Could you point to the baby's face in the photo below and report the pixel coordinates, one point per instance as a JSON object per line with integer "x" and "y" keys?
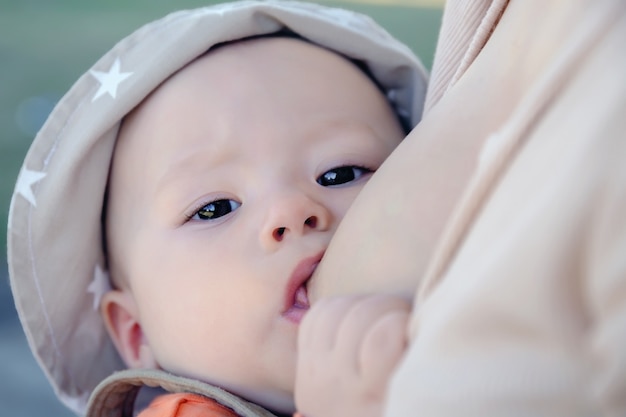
{"x": 227, "y": 186}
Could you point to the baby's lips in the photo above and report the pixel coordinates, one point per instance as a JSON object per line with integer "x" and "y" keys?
{"x": 296, "y": 294}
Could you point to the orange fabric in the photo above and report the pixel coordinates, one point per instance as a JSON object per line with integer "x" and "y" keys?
{"x": 186, "y": 405}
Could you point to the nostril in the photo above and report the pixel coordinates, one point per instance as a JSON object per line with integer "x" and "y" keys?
{"x": 311, "y": 222}
{"x": 278, "y": 233}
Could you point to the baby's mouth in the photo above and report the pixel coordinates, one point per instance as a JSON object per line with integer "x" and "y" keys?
{"x": 296, "y": 294}
{"x": 299, "y": 304}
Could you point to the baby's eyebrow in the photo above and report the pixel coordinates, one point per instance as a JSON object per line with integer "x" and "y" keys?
{"x": 197, "y": 160}
{"x": 175, "y": 182}
{"x": 337, "y": 129}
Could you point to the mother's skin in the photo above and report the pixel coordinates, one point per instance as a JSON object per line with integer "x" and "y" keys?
{"x": 387, "y": 238}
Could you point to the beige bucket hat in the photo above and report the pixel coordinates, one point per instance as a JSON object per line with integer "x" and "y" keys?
{"x": 55, "y": 254}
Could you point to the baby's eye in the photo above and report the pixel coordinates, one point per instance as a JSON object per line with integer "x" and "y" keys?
{"x": 216, "y": 209}
{"x": 342, "y": 175}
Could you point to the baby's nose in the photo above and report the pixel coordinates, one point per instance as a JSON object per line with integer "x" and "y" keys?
{"x": 292, "y": 216}
{"x": 279, "y": 232}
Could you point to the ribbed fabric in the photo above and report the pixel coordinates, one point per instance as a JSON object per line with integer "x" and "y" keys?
{"x": 466, "y": 27}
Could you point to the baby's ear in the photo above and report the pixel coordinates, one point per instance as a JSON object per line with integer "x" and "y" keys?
{"x": 119, "y": 312}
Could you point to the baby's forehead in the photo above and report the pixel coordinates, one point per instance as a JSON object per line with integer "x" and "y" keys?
{"x": 274, "y": 52}
{"x": 225, "y": 59}
{"x": 246, "y": 60}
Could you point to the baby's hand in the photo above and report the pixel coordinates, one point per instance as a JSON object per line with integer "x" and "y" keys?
{"x": 347, "y": 349}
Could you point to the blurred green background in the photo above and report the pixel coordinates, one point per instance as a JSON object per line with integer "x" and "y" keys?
{"x": 47, "y": 44}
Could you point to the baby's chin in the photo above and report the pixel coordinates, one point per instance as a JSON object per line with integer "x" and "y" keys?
{"x": 278, "y": 400}
{"x": 273, "y": 400}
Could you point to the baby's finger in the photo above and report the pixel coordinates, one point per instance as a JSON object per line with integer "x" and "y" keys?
{"x": 358, "y": 322}
{"x": 383, "y": 346}
{"x": 320, "y": 326}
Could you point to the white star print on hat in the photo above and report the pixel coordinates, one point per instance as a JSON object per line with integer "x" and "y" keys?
{"x": 25, "y": 181}
{"x": 99, "y": 286}
{"x": 109, "y": 81}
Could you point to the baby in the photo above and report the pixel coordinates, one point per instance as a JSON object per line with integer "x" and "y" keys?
{"x": 229, "y": 174}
